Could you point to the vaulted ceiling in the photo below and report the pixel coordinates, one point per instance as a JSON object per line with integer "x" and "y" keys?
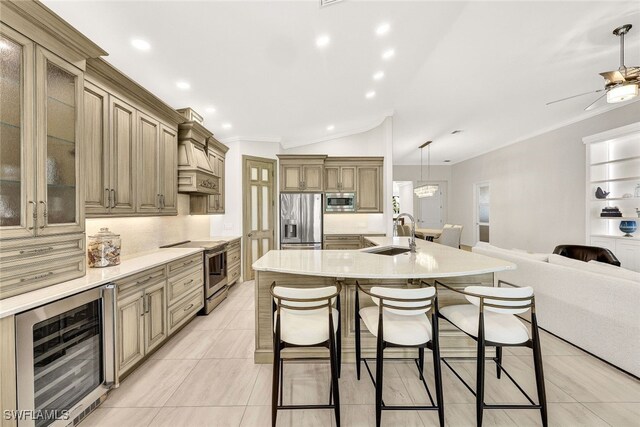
{"x": 486, "y": 68}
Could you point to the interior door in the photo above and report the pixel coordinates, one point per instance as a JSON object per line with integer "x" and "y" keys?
{"x": 259, "y": 210}
{"x": 482, "y": 195}
{"x": 430, "y": 211}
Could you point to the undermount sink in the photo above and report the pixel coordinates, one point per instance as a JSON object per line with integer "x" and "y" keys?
{"x": 389, "y": 251}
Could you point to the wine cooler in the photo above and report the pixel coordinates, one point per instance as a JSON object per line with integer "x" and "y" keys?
{"x": 65, "y": 357}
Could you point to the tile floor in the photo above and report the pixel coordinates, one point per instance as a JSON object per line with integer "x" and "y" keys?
{"x": 205, "y": 376}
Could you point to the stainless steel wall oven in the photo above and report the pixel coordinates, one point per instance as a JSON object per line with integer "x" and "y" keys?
{"x": 65, "y": 357}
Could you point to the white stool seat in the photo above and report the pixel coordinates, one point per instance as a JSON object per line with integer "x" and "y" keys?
{"x": 398, "y": 329}
{"x": 306, "y": 327}
{"x": 499, "y": 328}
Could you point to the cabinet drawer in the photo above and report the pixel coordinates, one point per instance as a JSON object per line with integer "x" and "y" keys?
{"x": 185, "y": 283}
{"x": 177, "y": 267}
{"x": 19, "y": 279}
{"x": 186, "y": 308}
{"x": 233, "y": 255}
{"x": 342, "y": 237}
{"x": 144, "y": 278}
{"x": 346, "y": 245}
{"x": 14, "y": 252}
{"x": 233, "y": 273}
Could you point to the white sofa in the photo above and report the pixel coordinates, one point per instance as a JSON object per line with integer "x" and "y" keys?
{"x": 597, "y": 311}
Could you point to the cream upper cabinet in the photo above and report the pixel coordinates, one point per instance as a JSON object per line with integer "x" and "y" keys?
{"x": 217, "y": 154}
{"x": 369, "y": 189}
{"x": 168, "y": 172}
{"x": 300, "y": 173}
{"x": 59, "y": 190}
{"x": 132, "y": 149}
{"x": 122, "y": 165}
{"x": 97, "y": 197}
{"x": 312, "y": 178}
{"x": 17, "y": 151}
{"x": 148, "y": 155}
{"x": 339, "y": 179}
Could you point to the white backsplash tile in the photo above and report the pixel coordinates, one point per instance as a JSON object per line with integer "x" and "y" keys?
{"x": 354, "y": 224}
{"x": 142, "y": 234}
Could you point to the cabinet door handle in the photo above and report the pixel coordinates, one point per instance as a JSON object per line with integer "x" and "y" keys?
{"x": 148, "y": 303}
{"x": 44, "y": 214}
{"x": 188, "y": 307}
{"x": 113, "y": 198}
{"x": 158, "y": 204}
{"x": 188, "y": 263}
{"x": 163, "y": 205}
{"x": 144, "y": 306}
{"x": 37, "y": 251}
{"x": 140, "y": 282}
{"x": 188, "y": 283}
{"x": 108, "y": 198}
{"x": 35, "y": 214}
{"x": 39, "y": 276}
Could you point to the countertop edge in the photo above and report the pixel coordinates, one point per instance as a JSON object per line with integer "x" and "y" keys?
{"x": 19, "y": 303}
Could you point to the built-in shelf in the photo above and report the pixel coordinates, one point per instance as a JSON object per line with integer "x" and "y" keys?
{"x": 621, "y": 218}
{"x": 624, "y": 159}
{"x": 635, "y": 237}
{"x": 630, "y": 178}
{"x": 615, "y": 198}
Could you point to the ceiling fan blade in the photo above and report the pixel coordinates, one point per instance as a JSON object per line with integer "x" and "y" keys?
{"x": 613, "y": 77}
{"x": 574, "y": 96}
{"x": 593, "y": 104}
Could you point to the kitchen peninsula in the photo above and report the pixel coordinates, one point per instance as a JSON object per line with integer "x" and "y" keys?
{"x": 385, "y": 261}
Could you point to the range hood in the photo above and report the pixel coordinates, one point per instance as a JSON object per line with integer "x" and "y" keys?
{"x": 195, "y": 173}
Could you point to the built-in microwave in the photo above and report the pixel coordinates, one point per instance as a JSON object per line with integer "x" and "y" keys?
{"x": 340, "y": 202}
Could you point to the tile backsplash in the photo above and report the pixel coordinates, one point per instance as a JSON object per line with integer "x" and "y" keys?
{"x": 143, "y": 234}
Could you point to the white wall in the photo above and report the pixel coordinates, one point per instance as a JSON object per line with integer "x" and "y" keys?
{"x": 537, "y": 186}
{"x": 142, "y": 234}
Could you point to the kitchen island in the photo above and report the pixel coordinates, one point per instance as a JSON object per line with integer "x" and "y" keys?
{"x": 387, "y": 262}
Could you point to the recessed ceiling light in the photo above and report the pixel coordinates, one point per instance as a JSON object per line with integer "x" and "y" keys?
{"x": 378, "y": 76}
{"x": 370, "y": 94}
{"x": 323, "y": 40}
{"x": 210, "y": 110}
{"x": 388, "y": 54}
{"x": 447, "y": 161}
{"x": 383, "y": 29}
{"x": 330, "y": 127}
{"x": 140, "y": 44}
{"x": 456, "y": 131}
{"x": 226, "y": 126}
{"x": 183, "y": 85}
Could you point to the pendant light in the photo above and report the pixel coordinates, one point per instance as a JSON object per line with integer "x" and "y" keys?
{"x": 426, "y": 190}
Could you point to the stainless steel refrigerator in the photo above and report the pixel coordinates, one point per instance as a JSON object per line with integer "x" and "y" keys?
{"x": 301, "y": 220}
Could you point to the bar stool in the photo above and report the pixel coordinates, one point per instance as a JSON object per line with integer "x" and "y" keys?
{"x": 399, "y": 319}
{"x": 305, "y": 317}
{"x": 491, "y": 321}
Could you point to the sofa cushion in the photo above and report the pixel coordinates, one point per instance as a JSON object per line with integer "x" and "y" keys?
{"x": 612, "y": 270}
{"x": 514, "y": 252}
{"x": 532, "y": 255}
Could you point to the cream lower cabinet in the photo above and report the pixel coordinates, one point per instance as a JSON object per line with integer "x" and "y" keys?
{"x": 130, "y": 330}
{"x": 142, "y": 316}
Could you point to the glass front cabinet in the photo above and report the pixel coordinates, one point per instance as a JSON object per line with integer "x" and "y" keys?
{"x": 41, "y": 201}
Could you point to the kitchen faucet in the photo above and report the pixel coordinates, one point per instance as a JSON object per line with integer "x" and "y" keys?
{"x": 412, "y": 238}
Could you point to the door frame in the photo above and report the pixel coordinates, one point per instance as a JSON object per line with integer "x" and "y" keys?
{"x": 246, "y": 214}
{"x": 476, "y": 223}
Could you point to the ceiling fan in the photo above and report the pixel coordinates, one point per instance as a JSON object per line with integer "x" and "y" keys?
{"x": 619, "y": 85}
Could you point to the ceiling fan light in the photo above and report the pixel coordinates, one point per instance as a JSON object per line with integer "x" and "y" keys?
{"x": 622, "y": 93}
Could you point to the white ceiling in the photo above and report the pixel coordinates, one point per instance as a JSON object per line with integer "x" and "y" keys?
{"x": 486, "y": 68}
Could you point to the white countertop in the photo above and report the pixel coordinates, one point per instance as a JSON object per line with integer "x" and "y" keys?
{"x": 94, "y": 278}
{"x": 431, "y": 260}
{"x": 223, "y": 238}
